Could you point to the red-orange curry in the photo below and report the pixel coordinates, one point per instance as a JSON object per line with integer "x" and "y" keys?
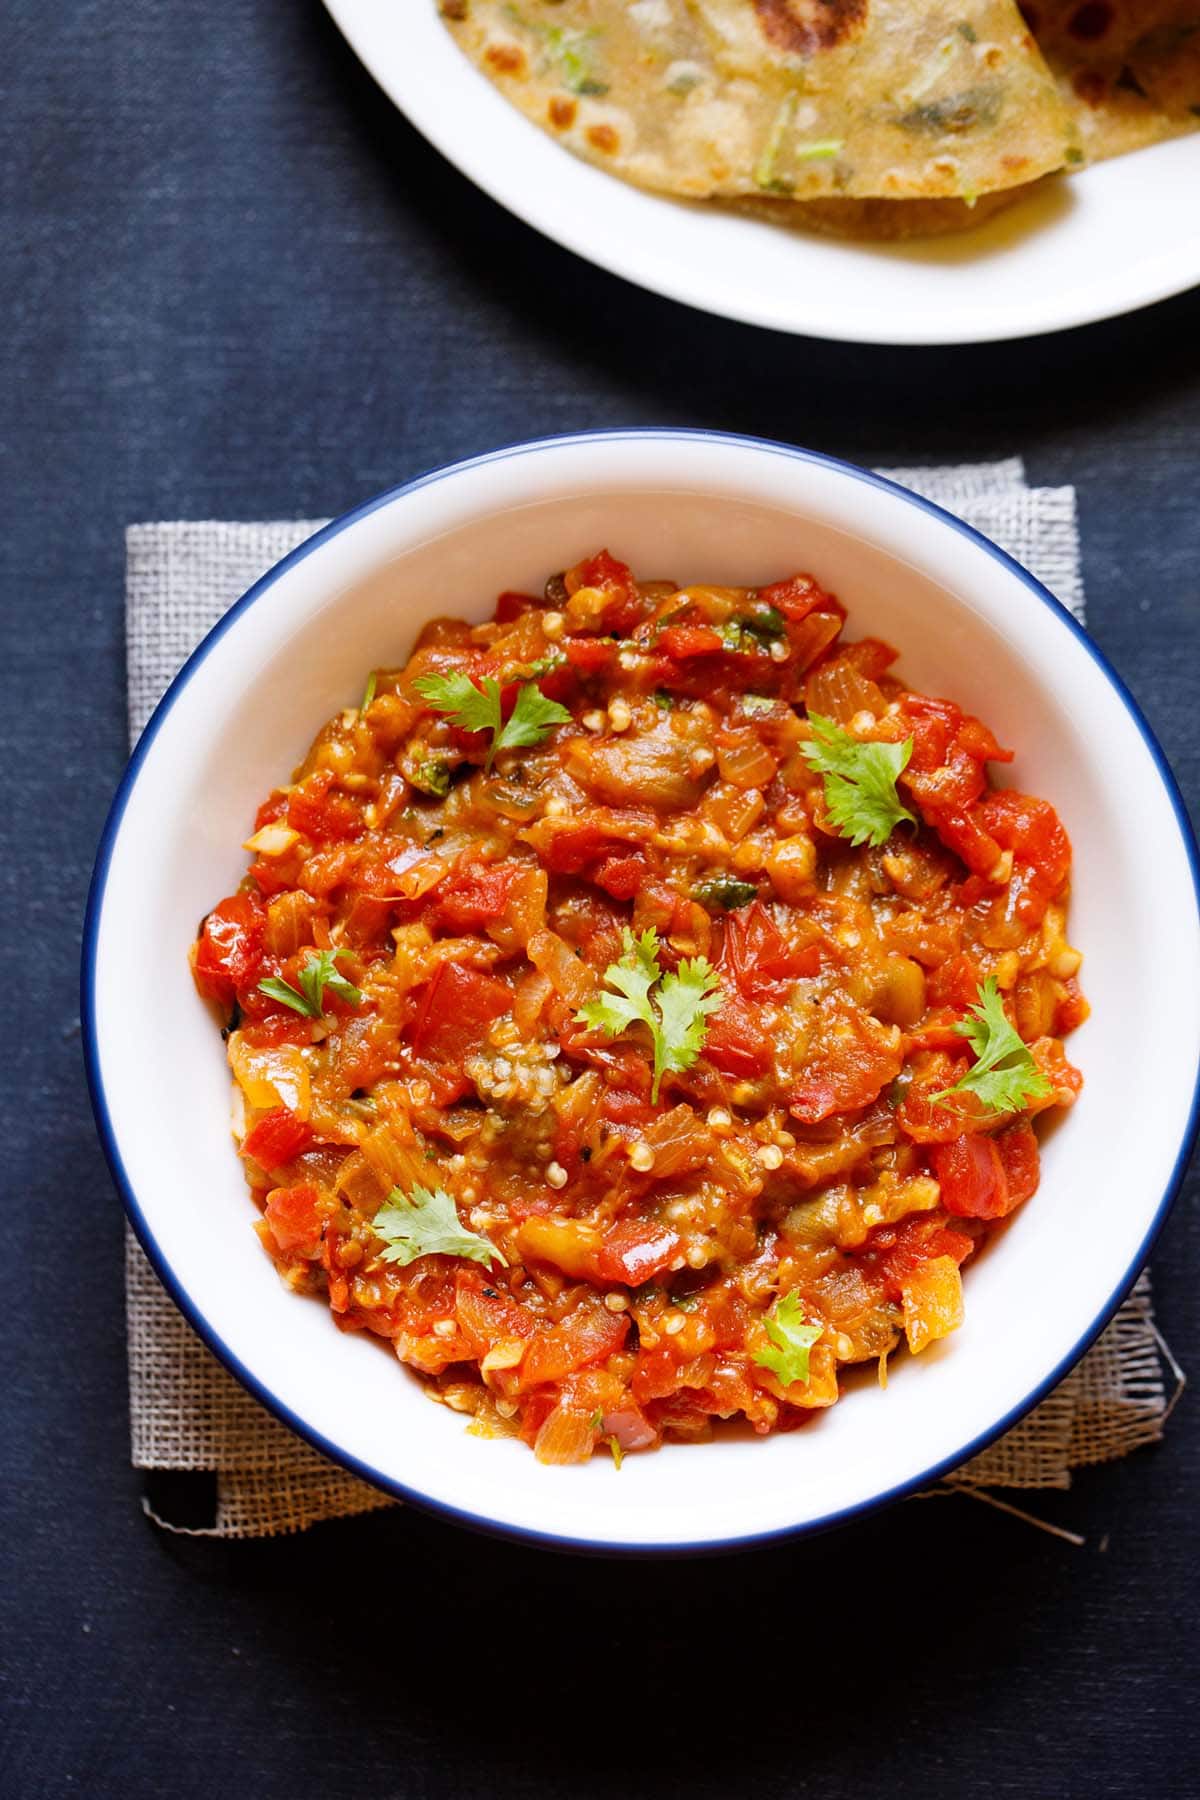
{"x": 638, "y": 1007}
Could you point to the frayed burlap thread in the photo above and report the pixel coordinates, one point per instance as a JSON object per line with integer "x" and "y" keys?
{"x": 187, "y": 1413}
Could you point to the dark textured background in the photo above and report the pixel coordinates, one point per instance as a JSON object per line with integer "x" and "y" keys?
{"x": 238, "y": 285}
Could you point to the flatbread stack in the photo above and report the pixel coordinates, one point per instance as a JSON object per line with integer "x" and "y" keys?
{"x": 878, "y": 118}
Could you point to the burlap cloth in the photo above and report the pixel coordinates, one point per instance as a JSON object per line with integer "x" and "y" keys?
{"x": 188, "y": 1413}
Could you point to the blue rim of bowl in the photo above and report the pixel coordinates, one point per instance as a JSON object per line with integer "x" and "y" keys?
{"x": 95, "y": 902}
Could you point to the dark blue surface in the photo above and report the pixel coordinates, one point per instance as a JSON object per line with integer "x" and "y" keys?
{"x": 238, "y": 286}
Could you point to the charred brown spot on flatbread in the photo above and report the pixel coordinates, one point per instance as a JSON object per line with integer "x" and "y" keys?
{"x": 506, "y": 59}
{"x": 562, "y": 112}
{"x": 803, "y": 26}
{"x": 603, "y": 137}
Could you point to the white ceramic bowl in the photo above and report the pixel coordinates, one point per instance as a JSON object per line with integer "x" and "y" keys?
{"x": 970, "y": 623}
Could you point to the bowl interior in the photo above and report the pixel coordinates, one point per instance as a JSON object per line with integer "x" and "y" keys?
{"x": 967, "y": 625}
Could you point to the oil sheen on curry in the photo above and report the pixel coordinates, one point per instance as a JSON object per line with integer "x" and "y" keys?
{"x": 640, "y": 1006}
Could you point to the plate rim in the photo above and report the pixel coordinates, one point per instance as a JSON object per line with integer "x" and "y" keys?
{"x": 174, "y": 1284}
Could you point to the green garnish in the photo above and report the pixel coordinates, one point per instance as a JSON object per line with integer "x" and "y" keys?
{"x": 764, "y": 168}
{"x": 477, "y": 708}
{"x": 769, "y": 623}
{"x": 860, "y": 781}
{"x": 816, "y": 152}
{"x": 1004, "y": 1074}
{"x": 752, "y": 631}
{"x": 724, "y": 893}
{"x": 955, "y": 113}
{"x": 369, "y": 691}
{"x": 757, "y": 703}
{"x": 533, "y": 671}
{"x": 427, "y": 1225}
{"x": 572, "y": 50}
{"x": 792, "y": 1340}
{"x": 684, "y": 996}
{"x": 432, "y": 777}
{"x": 319, "y": 972}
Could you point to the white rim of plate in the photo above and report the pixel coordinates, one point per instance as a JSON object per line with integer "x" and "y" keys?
{"x": 1049, "y": 264}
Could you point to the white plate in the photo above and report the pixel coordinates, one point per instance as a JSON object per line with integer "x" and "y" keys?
{"x": 1117, "y": 237}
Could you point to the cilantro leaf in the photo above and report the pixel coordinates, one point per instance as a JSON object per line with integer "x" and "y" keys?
{"x": 473, "y": 706}
{"x": 318, "y": 973}
{"x": 792, "y": 1340}
{"x": 1004, "y": 1074}
{"x": 633, "y": 977}
{"x": 685, "y": 997}
{"x": 531, "y": 718}
{"x": 860, "y": 781}
{"x": 476, "y": 707}
{"x": 677, "y": 1024}
{"x": 427, "y": 1225}
{"x": 432, "y": 776}
{"x": 724, "y": 893}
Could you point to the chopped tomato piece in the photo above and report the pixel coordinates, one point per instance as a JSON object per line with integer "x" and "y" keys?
{"x": 757, "y": 956}
{"x": 273, "y": 808}
{"x": 279, "y": 1026}
{"x": 621, "y": 876}
{"x": 277, "y": 1137}
{"x": 682, "y": 641}
{"x": 587, "y": 1337}
{"x": 1018, "y": 1147}
{"x": 458, "y": 1007}
{"x": 954, "y": 982}
{"x": 897, "y": 1250}
{"x": 473, "y": 897}
{"x": 230, "y": 951}
{"x": 736, "y": 1042}
{"x": 624, "y": 605}
{"x": 656, "y": 1375}
{"x": 1032, "y": 830}
{"x": 589, "y": 654}
{"x": 485, "y": 1315}
{"x": 291, "y": 1213}
{"x": 972, "y": 1176}
{"x": 636, "y": 1251}
{"x": 848, "y": 1070}
{"x": 625, "y": 1106}
{"x": 574, "y": 848}
{"x": 796, "y": 597}
{"x": 318, "y": 813}
{"x": 961, "y": 831}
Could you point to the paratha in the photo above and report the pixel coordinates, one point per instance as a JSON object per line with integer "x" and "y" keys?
{"x": 803, "y": 99}
{"x": 1128, "y": 69}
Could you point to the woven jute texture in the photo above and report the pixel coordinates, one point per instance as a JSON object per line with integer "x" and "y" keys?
{"x": 188, "y": 1413}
